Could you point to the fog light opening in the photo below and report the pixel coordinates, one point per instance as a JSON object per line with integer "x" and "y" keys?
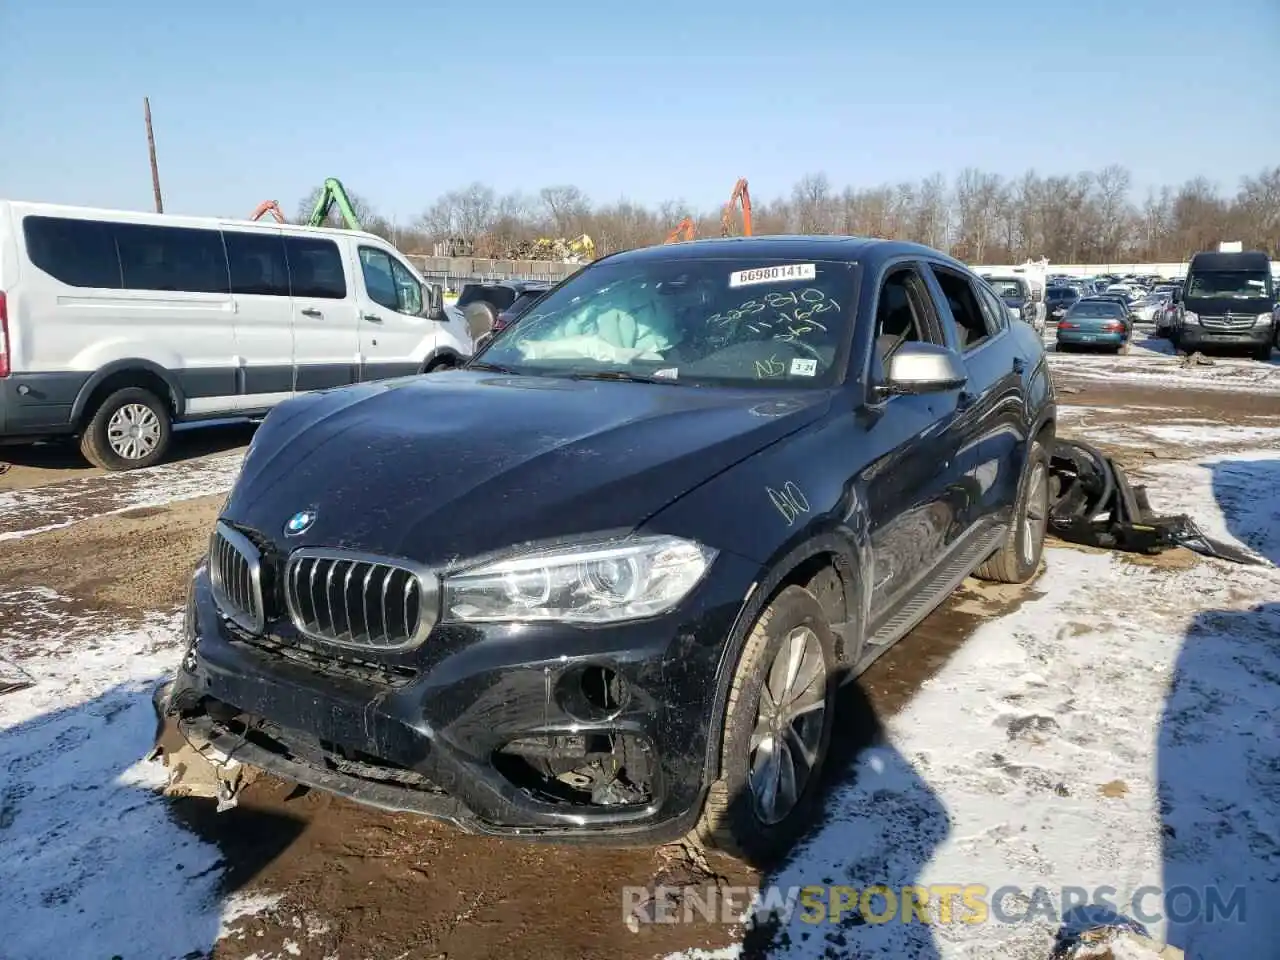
{"x": 593, "y": 693}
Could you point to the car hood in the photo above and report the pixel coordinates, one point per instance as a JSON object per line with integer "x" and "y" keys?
{"x": 458, "y": 463}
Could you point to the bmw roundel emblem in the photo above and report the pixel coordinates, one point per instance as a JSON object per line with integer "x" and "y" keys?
{"x": 300, "y": 522}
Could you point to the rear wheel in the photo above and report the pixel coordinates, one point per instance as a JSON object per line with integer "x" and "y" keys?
{"x": 1019, "y": 558}
{"x": 776, "y": 732}
{"x": 130, "y": 429}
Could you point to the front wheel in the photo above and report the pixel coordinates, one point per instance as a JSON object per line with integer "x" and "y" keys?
{"x": 131, "y": 429}
{"x": 1019, "y": 558}
{"x": 1262, "y": 353}
{"x": 776, "y": 732}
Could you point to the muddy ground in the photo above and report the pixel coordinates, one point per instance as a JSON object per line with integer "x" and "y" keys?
{"x": 355, "y": 883}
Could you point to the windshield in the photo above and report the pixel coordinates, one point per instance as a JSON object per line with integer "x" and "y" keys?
{"x": 1094, "y": 308}
{"x": 724, "y": 321}
{"x": 1239, "y": 284}
{"x": 1007, "y": 289}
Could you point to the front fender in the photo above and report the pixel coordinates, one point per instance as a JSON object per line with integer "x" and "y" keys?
{"x": 795, "y": 500}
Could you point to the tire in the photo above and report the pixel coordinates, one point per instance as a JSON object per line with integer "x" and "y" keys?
{"x": 731, "y": 820}
{"x": 1019, "y": 558}
{"x": 130, "y": 406}
{"x": 443, "y": 363}
{"x": 481, "y": 316}
{"x": 1262, "y": 353}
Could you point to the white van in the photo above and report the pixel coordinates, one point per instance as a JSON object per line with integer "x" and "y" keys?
{"x": 114, "y": 325}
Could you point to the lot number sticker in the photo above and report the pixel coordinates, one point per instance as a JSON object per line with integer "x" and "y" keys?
{"x": 780, "y": 274}
{"x": 804, "y": 368}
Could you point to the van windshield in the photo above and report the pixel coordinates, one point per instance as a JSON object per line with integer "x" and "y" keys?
{"x": 1238, "y": 284}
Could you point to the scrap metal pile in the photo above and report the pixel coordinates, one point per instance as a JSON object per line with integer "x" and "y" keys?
{"x": 1094, "y": 504}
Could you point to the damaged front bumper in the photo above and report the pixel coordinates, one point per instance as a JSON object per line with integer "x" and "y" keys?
{"x": 529, "y": 730}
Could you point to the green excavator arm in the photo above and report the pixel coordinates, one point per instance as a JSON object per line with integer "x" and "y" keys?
{"x": 333, "y": 195}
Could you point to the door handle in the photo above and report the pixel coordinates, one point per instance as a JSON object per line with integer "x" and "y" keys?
{"x": 1019, "y": 365}
{"x": 372, "y": 318}
{"x": 312, "y": 312}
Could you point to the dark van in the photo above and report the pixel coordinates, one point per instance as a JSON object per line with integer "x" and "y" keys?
{"x": 1228, "y": 300}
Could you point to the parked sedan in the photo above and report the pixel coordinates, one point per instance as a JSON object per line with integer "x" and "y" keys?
{"x": 1095, "y": 322}
{"x": 605, "y": 581}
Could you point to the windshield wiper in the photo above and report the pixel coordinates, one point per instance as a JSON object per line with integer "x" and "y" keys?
{"x": 619, "y": 375}
{"x": 490, "y": 367}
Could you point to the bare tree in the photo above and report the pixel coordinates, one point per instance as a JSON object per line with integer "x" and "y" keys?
{"x": 1085, "y": 216}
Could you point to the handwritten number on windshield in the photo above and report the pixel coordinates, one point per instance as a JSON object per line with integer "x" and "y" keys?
{"x": 793, "y": 313}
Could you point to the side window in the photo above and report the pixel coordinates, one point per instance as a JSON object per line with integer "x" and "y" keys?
{"x": 901, "y": 315}
{"x": 258, "y": 264}
{"x": 80, "y": 253}
{"x": 994, "y": 308}
{"x": 501, "y": 297}
{"x": 315, "y": 268}
{"x": 408, "y": 290}
{"x": 375, "y": 266}
{"x": 171, "y": 258}
{"x": 971, "y": 323}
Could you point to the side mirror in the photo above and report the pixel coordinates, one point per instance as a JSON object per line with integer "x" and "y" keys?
{"x": 435, "y": 302}
{"x": 917, "y": 368}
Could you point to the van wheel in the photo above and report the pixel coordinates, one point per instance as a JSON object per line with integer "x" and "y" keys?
{"x": 1262, "y": 353}
{"x": 130, "y": 429}
{"x": 1019, "y": 558}
{"x": 776, "y": 732}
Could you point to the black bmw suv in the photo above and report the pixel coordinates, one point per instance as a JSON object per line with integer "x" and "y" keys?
{"x": 603, "y": 582}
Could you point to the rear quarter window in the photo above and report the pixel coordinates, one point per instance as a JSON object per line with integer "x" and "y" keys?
{"x": 79, "y": 253}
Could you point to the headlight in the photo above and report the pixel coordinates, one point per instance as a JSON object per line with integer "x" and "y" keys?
{"x": 1189, "y": 317}
{"x": 1263, "y": 318}
{"x": 600, "y": 582}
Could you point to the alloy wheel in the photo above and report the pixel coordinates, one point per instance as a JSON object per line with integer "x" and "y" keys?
{"x": 789, "y": 722}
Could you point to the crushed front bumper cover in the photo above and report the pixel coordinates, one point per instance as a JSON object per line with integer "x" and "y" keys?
{"x": 493, "y": 732}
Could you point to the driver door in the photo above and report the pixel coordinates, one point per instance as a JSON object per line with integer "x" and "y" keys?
{"x": 392, "y": 327}
{"x": 916, "y": 442}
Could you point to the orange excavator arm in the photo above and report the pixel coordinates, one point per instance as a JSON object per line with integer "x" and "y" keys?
{"x": 740, "y": 196}
{"x": 686, "y": 229}
{"x": 268, "y": 206}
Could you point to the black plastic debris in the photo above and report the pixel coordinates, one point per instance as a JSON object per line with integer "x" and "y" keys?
{"x": 1094, "y": 504}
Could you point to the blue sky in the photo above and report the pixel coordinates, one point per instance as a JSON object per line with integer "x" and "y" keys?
{"x": 652, "y": 101}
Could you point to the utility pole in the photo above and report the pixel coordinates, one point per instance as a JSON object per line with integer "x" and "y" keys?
{"x": 151, "y": 148}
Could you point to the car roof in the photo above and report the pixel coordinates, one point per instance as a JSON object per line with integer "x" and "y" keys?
{"x": 784, "y": 247}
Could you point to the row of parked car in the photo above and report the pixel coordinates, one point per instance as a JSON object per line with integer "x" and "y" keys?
{"x": 1228, "y": 299}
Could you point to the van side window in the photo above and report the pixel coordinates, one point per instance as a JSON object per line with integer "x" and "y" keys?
{"x": 172, "y": 258}
{"x": 80, "y": 253}
{"x": 315, "y": 268}
{"x": 258, "y": 264}
{"x": 375, "y": 265}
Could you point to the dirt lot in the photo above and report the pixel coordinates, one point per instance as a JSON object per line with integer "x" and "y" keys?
{"x": 323, "y": 878}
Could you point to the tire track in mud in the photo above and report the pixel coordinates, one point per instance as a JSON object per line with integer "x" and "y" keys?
{"x": 26, "y": 512}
